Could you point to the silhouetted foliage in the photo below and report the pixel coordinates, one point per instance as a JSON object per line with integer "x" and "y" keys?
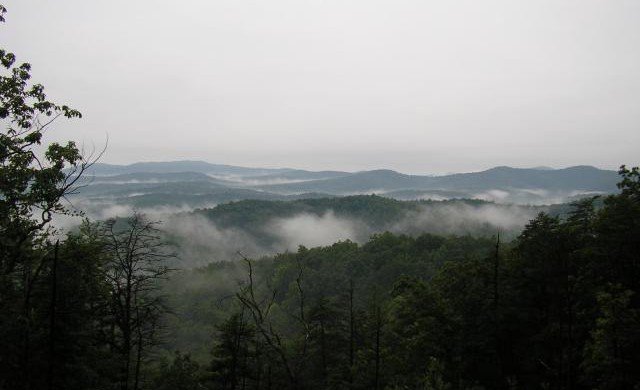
{"x": 558, "y": 307}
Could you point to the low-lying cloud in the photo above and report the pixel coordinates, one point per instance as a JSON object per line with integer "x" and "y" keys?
{"x": 312, "y": 230}
{"x": 200, "y": 240}
{"x": 461, "y": 218}
{"x": 531, "y": 196}
{"x": 99, "y": 210}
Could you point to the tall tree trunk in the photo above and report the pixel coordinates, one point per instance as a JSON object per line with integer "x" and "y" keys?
{"x": 258, "y": 361}
{"x": 26, "y": 330}
{"x": 496, "y": 313}
{"x": 139, "y": 346}
{"x": 235, "y": 357}
{"x": 323, "y": 352}
{"x": 569, "y": 307}
{"x": 351, "y": 334}
{"x": 126, "y": 336}
{"x": 378, "y": 315}
{"x": 136, "y": 380}
{"x": 52, "y": 317}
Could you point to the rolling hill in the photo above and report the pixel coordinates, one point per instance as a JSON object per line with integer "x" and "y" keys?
{"x": 198, "y": 184}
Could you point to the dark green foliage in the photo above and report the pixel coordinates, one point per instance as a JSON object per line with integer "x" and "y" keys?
{"x": 234, "y": 354}
{"x": 33, "y": 180}
{"x": 611, "y": 354}
{"x": 328, "y": 273}
{"x": 79, "y": 354}
{"x": 372, "y": 209}
{"x": 69, "y": 320}
{"x": 60, "y": 322}
{"x": 180, "y": 374}
{"x": 556, "y": 308}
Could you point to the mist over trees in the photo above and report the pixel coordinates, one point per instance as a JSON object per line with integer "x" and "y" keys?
{"x": 554, "y": 306}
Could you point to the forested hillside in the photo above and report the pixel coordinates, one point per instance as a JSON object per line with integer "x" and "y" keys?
{"x": 264, "y": 279}
{"x": 258, "y": 228}
{"x": 555, "y": 308}
{"x": 103, "y": 307}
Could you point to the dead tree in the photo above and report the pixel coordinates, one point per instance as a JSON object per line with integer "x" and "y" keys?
{"x": 138, "y": 262}
{"x": 260, "y": 309}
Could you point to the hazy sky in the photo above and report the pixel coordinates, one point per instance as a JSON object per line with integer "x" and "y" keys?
{"x": 417, "y": 86}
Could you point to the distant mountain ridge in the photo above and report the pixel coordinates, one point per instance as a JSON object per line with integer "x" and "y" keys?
{"x": 579, "y": 178}
{"x": 504, "y": 184}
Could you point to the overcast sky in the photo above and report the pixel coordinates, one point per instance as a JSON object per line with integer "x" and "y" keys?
{"x": 417, "y": 86}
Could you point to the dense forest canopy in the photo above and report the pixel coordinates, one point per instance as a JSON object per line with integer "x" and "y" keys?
{"x": 553, "y": 305}
{"x": 259, "y": 227}
{"x": 554, "y": 308}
